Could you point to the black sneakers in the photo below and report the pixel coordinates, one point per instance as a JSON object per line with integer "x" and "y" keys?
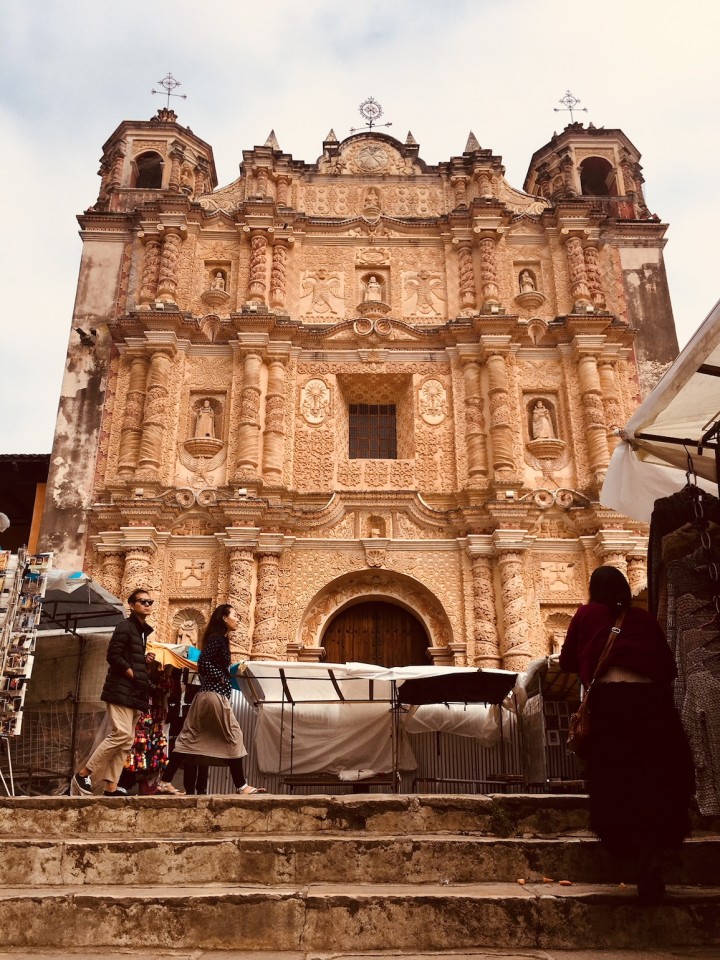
{"x": 120, "y": 792}
{"x": 83, "y": 784}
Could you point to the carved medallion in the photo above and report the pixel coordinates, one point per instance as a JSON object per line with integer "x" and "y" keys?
{"x": 315, "y": 401}
{"x": 432, "y": 402}
{"x": 372, "y": 159}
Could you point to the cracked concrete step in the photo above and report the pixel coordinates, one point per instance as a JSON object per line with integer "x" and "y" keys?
{"x": 327, "y": 917}
{"x": 282, "y": 859}
{"x": 505, "y": 815}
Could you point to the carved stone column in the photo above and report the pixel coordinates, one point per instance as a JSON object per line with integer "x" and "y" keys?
{"x": 167, "y": 280}
{"x": 568, "y": 172}
{"x": 262, "y": 179}
{"x": 201, "y": 175}
{"x": 595, "y": 424}
{"x": 614, "y": 416}
{"x": 488, "y": 273}
{"x": 274, "y": 437}
{"x": 155, "y": 418}
{"x": 118, "y": 161}
{"x": 475, "y": 431}
{"x": 278, "y": 274}
{"x": 515, "y": 645}
{"x": 460, "y": 190}
{"x": 132, "y": 423}
{"x": 592, "y": 269}
{"x": 500, "y": 414}
{"x": 249, "y": 431}
{"x": 240, "y": 560}
{"x": 265, "y": 645}
{"x": 618, "y": 560}
{"x": 151, "y": 267}
{"x": 484, "y": 182}
{"x": 258, "y": 267}
{"x": 177, "y": 155}
{"x": 136, "y": 572}
{"x": 578, "y": 274}
{"x": 637, "y": 573}
{"x": 113, "y": 567}
{"x": 485, "y": 628}
{"x": 283, "y": 191}
{"x": 466, "y": 275}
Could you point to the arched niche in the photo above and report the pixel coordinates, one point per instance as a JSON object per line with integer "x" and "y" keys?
{"x": 597, "y": 178}
{"x": 148, "y": 171}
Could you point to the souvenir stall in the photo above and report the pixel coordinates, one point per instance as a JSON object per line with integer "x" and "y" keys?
{"x": 665, "y": 470}
{"x": 547, "y": 698}
{"x": 329, "y": 725}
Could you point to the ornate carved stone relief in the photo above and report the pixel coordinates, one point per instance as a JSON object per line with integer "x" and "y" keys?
{"x": 432, "y": 402}
{"x": 423, "y": 294}
{"x": 322, "y": 294}
{"x": 315, "y": 401}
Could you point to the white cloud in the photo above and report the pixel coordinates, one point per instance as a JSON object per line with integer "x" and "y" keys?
{"x": 72, "y": 70}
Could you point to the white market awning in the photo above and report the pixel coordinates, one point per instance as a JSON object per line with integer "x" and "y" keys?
{"x": 679, "y": 417}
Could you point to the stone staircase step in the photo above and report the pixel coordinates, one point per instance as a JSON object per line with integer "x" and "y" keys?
{"x": 360, "y": 917}
{"x": 351, "y": 858}
{"x": 131, "y": 953}
{"x": 502, "y": 815}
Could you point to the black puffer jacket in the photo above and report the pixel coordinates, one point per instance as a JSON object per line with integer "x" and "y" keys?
{"x": 127, "y": 649}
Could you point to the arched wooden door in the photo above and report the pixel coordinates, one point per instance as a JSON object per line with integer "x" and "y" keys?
{"x": 376, "y": 632}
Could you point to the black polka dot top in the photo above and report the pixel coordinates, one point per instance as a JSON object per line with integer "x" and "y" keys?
{"x": 214, "y": 666}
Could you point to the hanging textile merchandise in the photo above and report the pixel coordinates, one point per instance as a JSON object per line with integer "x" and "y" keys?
{"x": 684, "y": 594}
{"x": 149, "y": 754}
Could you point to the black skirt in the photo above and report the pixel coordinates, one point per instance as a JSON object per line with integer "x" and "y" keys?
{"x": 640, "y": 770}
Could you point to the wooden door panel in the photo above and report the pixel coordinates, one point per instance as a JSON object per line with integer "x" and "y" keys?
{"x": 376, "y": 632}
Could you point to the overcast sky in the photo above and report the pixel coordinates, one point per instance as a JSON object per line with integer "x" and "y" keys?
{"x": 72, "y": 70}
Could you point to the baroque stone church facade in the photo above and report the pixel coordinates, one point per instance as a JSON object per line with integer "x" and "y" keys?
{"x": 368, "y": 400}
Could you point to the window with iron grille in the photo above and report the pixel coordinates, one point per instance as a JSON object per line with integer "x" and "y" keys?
{"x": 373, "y": 433}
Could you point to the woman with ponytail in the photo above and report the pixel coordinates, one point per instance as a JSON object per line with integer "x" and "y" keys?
{"x": 639, "y": 768}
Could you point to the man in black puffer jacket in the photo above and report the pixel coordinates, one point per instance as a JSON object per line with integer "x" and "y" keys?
{"x": 126, "y": 693}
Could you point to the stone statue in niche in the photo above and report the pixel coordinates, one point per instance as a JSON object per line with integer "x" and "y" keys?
{"x": 188, "y": 633}
{"x": 218, "y": 281}
{"x": 542, "y": 425}
{"x": 205, "y": 421}
{"x": 373, "y": 290}
{"x": 527, "y": 282}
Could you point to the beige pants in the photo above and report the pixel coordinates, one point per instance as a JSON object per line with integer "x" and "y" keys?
{"x": 109, "y": 759}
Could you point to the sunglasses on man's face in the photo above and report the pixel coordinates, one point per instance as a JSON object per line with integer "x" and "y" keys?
{"x": 145, "y": 603}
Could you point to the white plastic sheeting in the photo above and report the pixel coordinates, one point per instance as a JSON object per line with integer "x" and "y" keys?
{"x": 684, "y": 404}
{"x": 466, "y": 720}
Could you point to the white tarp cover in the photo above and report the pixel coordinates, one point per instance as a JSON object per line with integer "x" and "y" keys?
{"x": 302, "y": 706}
{"x": 476, "y": 720}
{"x": 684, "y": 404}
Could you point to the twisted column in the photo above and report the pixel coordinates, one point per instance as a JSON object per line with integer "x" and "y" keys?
{"x": 249, "y": 430}
{"x": 177, "y": 155}
{"x": 264, "y": 645}
{"x": 274, "y": 437}
{"x": 500, "y": 413}
{"x": 278, "y": 274}
{"x": 592, "y": 269}
{"x": 132, "y": 423}
{"x": 118, "y": 161}
{"x": 466, "y": 275}
{"x": 614, "y": 416}
{"x": 151, "y": 269}
{"x": 258, "y": 268}
{"x": 155, "y": 418}
{"x": 637, "y": 573}
{"x": 460, "y": 190}
{"x": 111, "y": 576}
{"x": 595, "y": 425}
{"x": 484, "y": 182}
{"x": 578, "y": 273}
{"x": 136, "y": 571}
{"x": 515, "y": 646}
{"x": 568, "y": 173}
{"x": 167, "y": 279}
{"x": 488, "y": 272}
{"x": 474, "y": 423}
{"x": 240, "y": 560}
{"x": 283, "y": 191}
{"x": 485, "y": 628}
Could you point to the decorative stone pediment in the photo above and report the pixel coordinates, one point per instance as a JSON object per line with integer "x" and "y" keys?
{"x": 368, "y": 155}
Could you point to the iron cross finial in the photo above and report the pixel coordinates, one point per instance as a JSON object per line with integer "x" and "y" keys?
{"x": 371, "y": 111}
{"x": 169, "y": 83}
{"x": 571, "y": 103}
